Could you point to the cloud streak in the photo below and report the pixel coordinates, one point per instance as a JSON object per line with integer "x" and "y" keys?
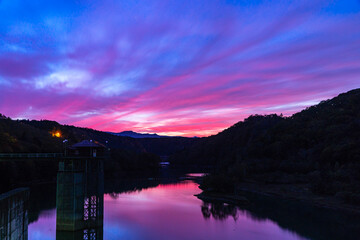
{"x": 179, "y": 68}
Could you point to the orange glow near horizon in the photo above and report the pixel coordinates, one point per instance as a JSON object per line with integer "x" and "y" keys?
{"x": 56, "y": 134}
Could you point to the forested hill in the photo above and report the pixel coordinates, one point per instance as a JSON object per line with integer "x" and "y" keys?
{"x": 322, "y": 139}
{"x": 39, "y": 136}
{"x": 328, "y": 132}
{"x": 129, "y": 156}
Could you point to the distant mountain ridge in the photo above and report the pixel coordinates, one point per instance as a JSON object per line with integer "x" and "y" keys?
{"x": 37, "y": 136}
{"x": 133, "y": 134}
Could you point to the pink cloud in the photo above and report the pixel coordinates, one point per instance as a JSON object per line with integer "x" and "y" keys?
{"x": 174, "y": 68}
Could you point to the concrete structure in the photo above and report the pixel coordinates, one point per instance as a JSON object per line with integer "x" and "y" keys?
{"x": 14, "y": 214}
{"x": 6, "y": 157}
{"x": 80, "y": 192}
{"x": 86, "y": 234}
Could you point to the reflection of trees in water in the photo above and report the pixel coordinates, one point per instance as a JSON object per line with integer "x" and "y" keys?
{"x": 219, "y": 211}
{"x": 114, "y": 195}
{"x": 42, "y": 198}
{"x": 118, "y": 187}
{"x": 301, "y": 218}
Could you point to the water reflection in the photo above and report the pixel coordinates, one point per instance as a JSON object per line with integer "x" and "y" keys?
{"x": 299, "y": 218}
{"x": 14, "y": 214}
{"x": 156, "y": 210}
{"x": 219, "y": 211}
{"x": 170, "y": 211}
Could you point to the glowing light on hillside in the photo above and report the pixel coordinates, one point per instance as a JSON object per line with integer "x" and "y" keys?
{"x": 56, "y": 134}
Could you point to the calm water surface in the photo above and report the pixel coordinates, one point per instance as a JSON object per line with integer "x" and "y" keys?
{"x": 169, "y": 211}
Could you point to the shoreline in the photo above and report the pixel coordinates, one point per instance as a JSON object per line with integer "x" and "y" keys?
{"x": 222, "y": 197}
{"x": 291, "y": 192}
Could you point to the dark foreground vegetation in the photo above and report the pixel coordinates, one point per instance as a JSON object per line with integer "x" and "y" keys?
{"x": 128, "y": 156}
{"x": 317, "y": 148}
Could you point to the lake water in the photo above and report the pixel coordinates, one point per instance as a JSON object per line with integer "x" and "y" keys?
{"x": 169, "y": 210}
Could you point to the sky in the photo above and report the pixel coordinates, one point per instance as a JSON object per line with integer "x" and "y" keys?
{"x": 176, "y": 67}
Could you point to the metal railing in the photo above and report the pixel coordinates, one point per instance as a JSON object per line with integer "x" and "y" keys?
{"x": 30, "y": 155}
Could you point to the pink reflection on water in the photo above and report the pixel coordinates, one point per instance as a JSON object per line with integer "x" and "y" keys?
{"x": 196, "y": 174}
{"x": 45, "y": 227}
{"x": 168, "y": 211}
{"x": 172, "y": 212}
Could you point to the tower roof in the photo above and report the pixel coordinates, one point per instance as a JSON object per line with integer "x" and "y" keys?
{"x": 88, "y": 144}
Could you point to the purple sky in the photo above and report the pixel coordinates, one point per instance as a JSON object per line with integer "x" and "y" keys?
{"x": 173, "y": 67}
